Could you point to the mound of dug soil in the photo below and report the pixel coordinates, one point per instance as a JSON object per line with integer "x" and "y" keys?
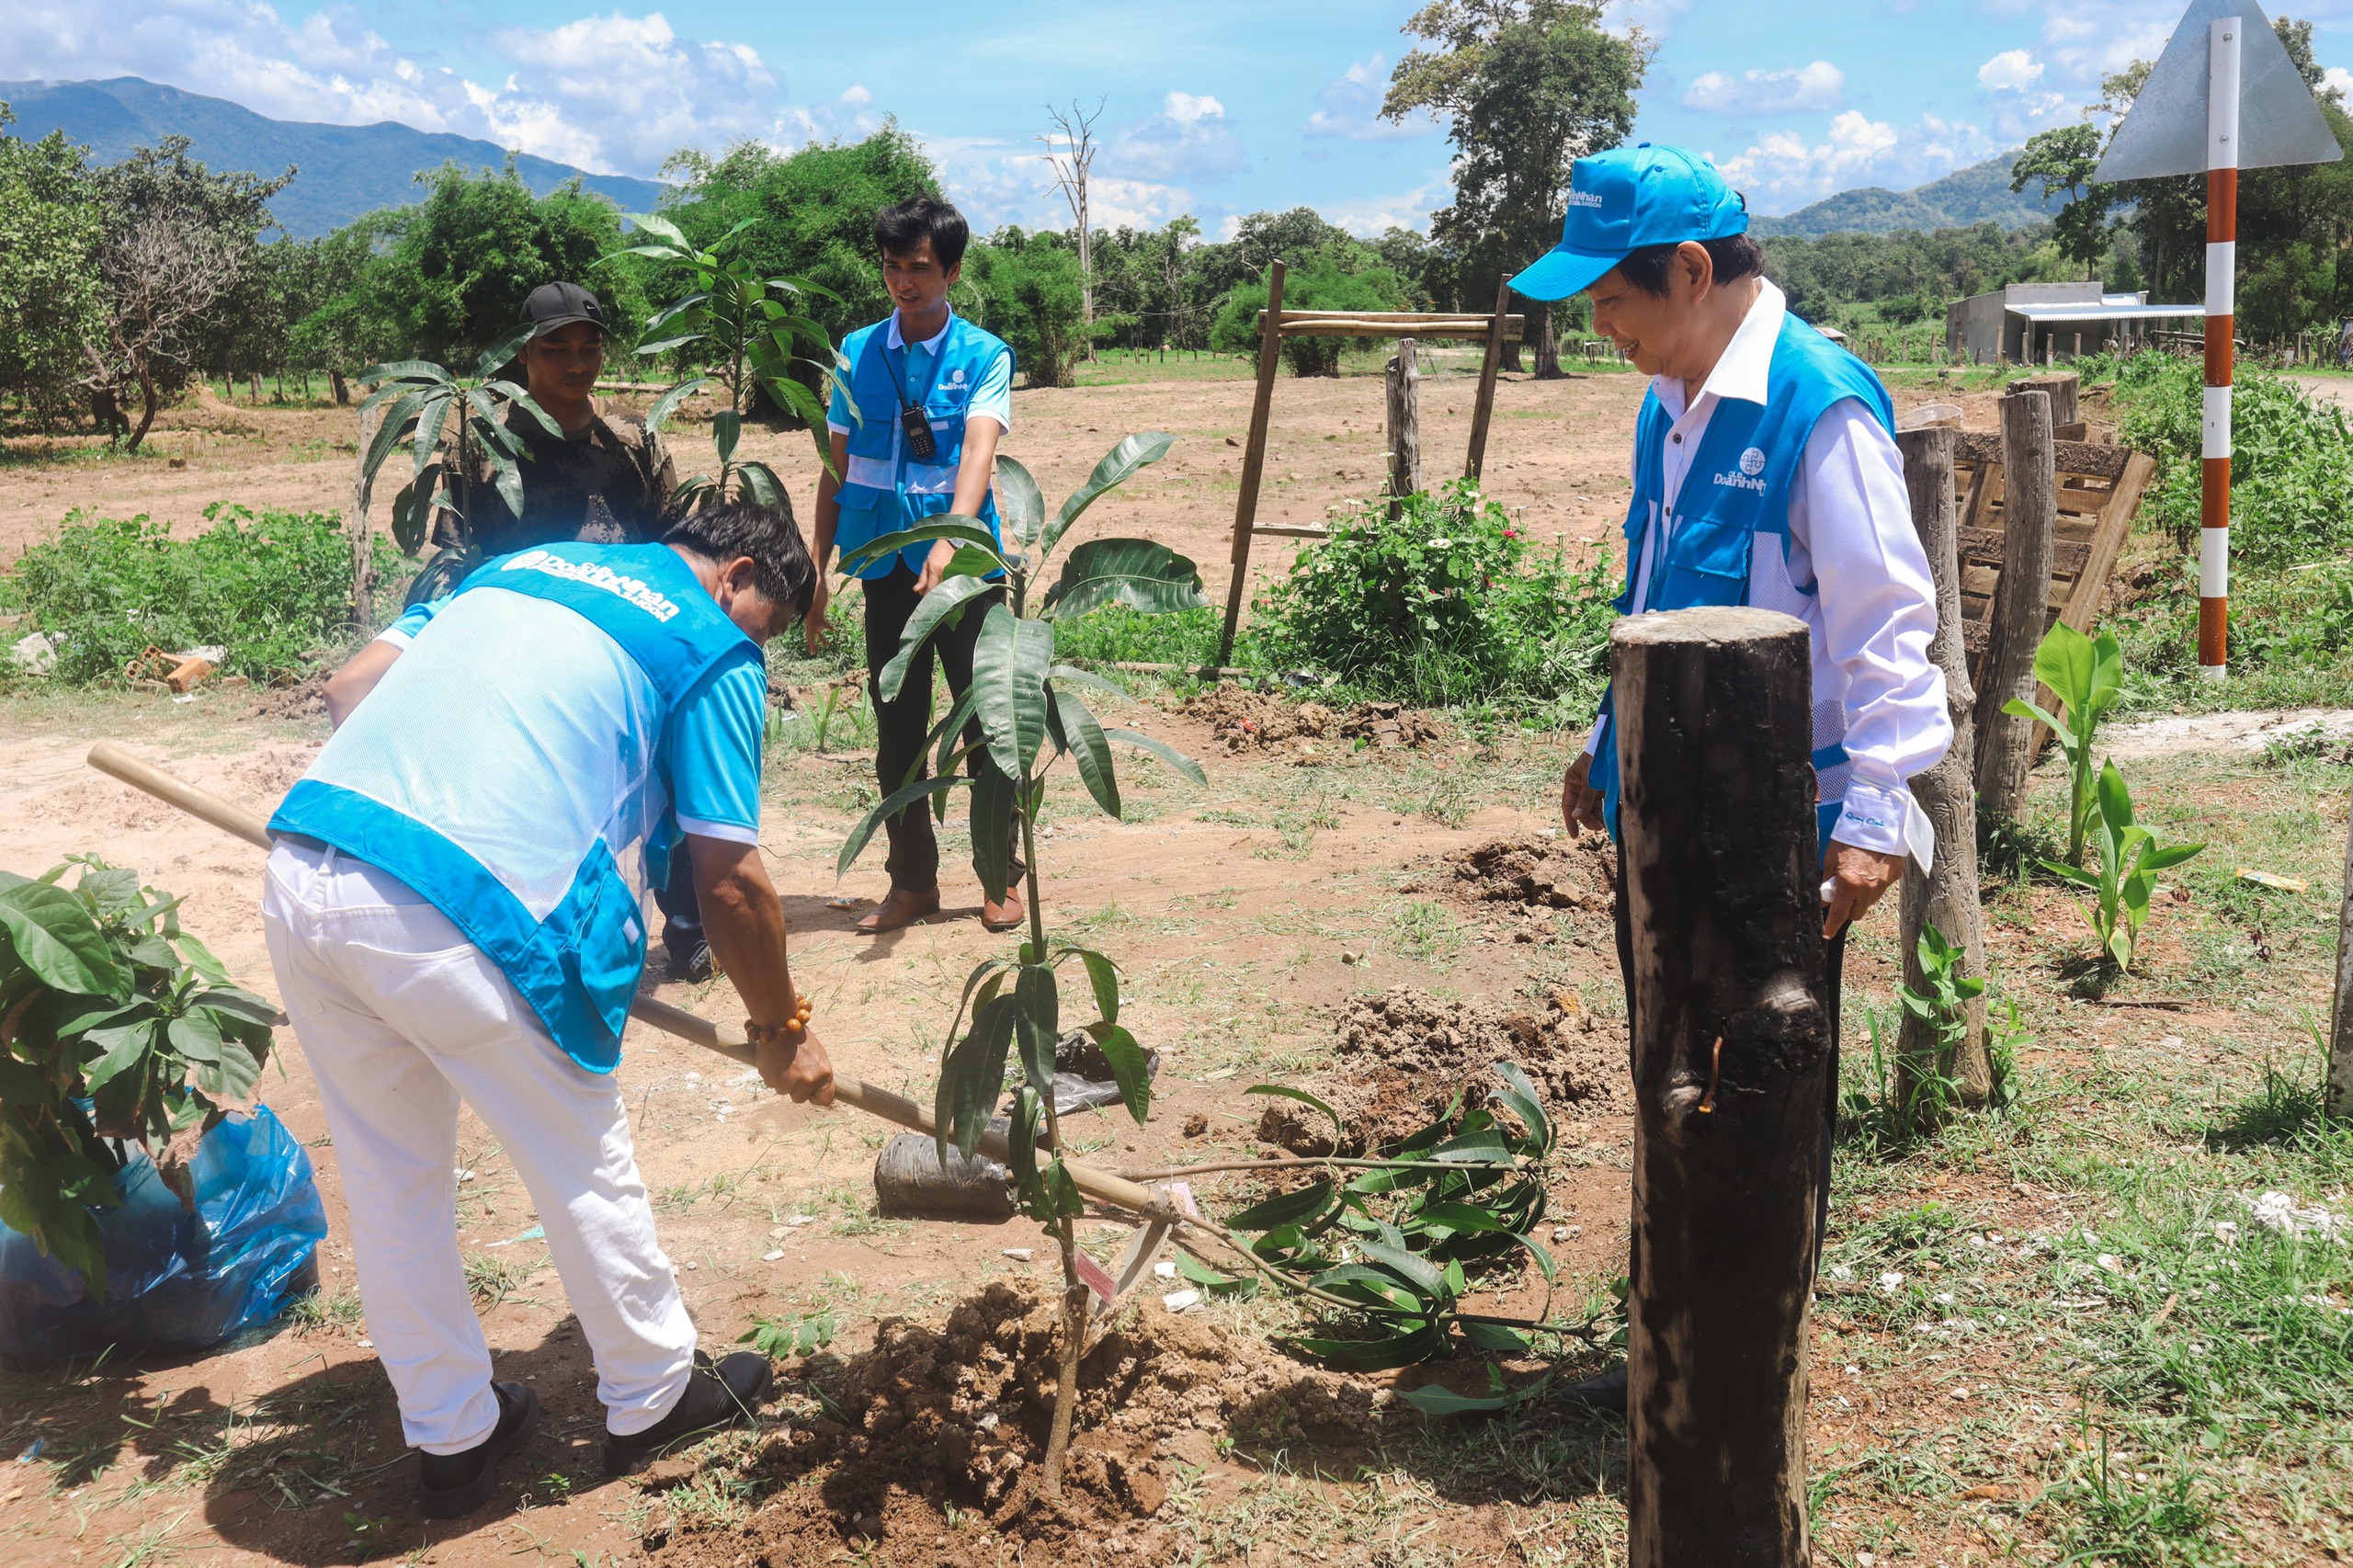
{"x": 1245, "y": 720}
{"x": 1540, "y": 873}
{"x": 1406, "y": 1054}
{"x": 959, "y": 1415}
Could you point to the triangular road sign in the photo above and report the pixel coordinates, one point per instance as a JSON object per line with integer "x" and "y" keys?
{"x": 2165, "y": 132}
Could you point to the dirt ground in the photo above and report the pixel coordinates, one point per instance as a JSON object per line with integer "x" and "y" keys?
{"x": 1260, "y": 920}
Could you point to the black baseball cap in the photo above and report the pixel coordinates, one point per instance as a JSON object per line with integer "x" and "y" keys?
{"x": 552, "y": 305}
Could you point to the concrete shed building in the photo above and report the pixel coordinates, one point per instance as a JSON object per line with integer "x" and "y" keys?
{"x": 2025, "y": 320}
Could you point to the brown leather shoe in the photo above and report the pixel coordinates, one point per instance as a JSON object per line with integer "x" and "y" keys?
{"x": 901, "y": 908}
{"x": 1005, "y": 916}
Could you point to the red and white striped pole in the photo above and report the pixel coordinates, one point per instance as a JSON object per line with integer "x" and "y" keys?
{"x": 2222, "y": 288}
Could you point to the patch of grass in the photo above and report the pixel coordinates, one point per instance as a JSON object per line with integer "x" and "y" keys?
{"x": 1115, "y": 635}
{"x": 491, "y": 1280}
{"x": 322, "y": 1309}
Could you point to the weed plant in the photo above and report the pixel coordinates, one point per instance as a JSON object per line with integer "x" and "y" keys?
{"x": 1444, "y": 605}
{"x": 273, "y": 589}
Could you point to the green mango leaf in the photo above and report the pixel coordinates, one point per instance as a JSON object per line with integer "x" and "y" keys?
{"x": 402, "y": 370}
{"x": 1021, "y": 1147}
{"x": 991, "y": 821}
{"x": 1404, "y": 1349}
{"x": 1115, "y": 469}
{"x": 1020, "y": 509}
{"x": 1520, "y": 1097}
{"x": 56, "y": 938}
{"x": 1161, "y": 749}
{"x": 1128, "y": 1066}
{"x": 1071, "y": 675}
{"x": 1284, "y": 1091}
{"x": 899, "y": 801}
{"x": 408, "y": 520}
{"x": 1413, "y": 1272}
{"x": 399, "y": 423}
{"x": 1142, "y": 573}
{"x": 1068, "y": 1201}
{"x": 1036, "y": 1023}
{"x": 1211, "y": 1279}
{"x": 726, "y": 434}
{"x": 1495, "y": 1337}
{"x": 504, "y": 352}
{"x": 1104, "y": 976}
{"x": 944, "y": 605}
{"x": 667, "y": 403}
{"x": 972, "y": 1077}
{"x": 1010, "y": 662}
{"x": 761, "y": 483}
{"x": 1462, "y": 1219}
{"x": 1432, "y": 1399}
{"x": 1300, "y": 1206}
{"x": 1081, "y": 735}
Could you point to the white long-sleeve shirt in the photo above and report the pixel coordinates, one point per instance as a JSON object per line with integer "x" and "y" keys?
{"x": 1866, "y": 599}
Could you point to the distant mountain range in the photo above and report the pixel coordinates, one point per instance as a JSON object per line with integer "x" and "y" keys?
{"x": 1978, "y": 193}
{"x": 343, "y": 171}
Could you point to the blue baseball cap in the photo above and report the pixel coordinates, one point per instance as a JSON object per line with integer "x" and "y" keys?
{"x": 1628, "y": 198}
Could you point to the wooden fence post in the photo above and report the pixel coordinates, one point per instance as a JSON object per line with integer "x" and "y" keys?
{"x": 1253, "y": 457}
{"x": 1731, "y": 1047}
{"x": 2021, "y": 608}
{"x": 1946, "y": 896}
{"x": 1482, "y": 411}
{"x": 363, "y": 540}
{"x": 1405, "y": 416}
{"x": 2340, "y": 1039}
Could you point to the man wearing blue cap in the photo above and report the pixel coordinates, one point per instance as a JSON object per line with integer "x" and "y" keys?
{"x": 1766, "y": 473}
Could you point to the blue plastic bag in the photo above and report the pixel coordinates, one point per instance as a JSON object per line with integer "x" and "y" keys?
{"x": 176, "y": 1280}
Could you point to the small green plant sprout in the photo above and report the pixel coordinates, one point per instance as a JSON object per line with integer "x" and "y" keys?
{"x": 1029, "y": 715}
{"x": 2130, "y": 860}
{"x": 106, "y": 1010}
{"x": 749, "y": 332}
{"x": 422, "y": 398}
{"x": 1930, "y": 1089}
{"x": 796, "y": 1335}
{"x": 2086, "y": 674}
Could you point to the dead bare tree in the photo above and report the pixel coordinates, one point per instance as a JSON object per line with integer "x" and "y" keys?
{"x": 163, "y": 272}
{"x": 1070, "y": 152}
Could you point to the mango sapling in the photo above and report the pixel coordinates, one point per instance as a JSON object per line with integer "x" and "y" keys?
{"x": 1027, "y": 715}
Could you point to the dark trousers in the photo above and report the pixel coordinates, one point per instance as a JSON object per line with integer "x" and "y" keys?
{"x": 900, "y": 725}
{"x": 681, "y": 909}
{"x": 1834, "y": 961}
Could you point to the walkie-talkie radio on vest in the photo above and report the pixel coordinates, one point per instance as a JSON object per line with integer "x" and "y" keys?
{"x": 913, "y": 420}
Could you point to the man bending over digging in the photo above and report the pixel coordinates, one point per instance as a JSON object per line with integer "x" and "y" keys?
{"x": 453, "y": 910}
{"x": 1766, "y": 473}
{"x": 915, "y": 436}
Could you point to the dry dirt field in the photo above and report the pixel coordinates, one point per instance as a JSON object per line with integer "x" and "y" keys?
{"x": 1957, "y": 1415}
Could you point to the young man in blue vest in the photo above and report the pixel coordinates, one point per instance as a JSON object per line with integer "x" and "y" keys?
{"x": 453, "y": 909}
{"x": 924, "y": 370}
{"x": 1766, "y": 473}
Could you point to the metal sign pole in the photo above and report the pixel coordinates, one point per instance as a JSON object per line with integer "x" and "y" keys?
{"x": 2221, "y": 286}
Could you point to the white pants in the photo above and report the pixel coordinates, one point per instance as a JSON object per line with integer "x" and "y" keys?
{"x": 400, "y": 1017}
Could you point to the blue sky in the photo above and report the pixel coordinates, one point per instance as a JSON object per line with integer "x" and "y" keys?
{"x": 1214, "y": 107}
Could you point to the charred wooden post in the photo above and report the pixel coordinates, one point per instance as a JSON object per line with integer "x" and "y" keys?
{"x": 1732, "y": 1046}
{"x": 2020, "y": 612}
{"x": 1405, "y": 416}
{"x": 1945, "y": 895}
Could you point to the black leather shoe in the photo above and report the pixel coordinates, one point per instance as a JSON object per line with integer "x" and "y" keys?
{"x": 690, "y": 959}
{"x": 1605, "y": 1391}
{"x": 719, "y": 1395}
{"x": 451, "y": 1486}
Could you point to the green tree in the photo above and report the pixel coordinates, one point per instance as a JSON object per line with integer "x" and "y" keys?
{"x": 2060, "y": 159}
{"x": 1025, "y": 289}
{"x": 1322, "y": 283}
{"x": 1528, "y": 87}
{"x": 50, "y": 302}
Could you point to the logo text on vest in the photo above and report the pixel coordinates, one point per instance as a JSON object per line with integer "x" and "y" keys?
{"x": 595, "y": 575}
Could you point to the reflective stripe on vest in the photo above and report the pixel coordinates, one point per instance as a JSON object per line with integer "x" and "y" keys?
{"x": 577, "y": 966}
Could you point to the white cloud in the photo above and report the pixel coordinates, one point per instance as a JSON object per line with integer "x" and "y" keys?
{"x": 2338, "y": 80}
{"x": 1351, "y": 107}
{"x": 1187, "y": 140}
{"x": 1783, "y": 170}
{"x": 2012, "y": 71}
{"x": 611, "y": 93}
{"x": 1818, "y": 86}
{"x": 1370, "y": 217}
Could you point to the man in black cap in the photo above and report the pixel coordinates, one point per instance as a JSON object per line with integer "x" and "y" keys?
{"x": 608, "y": 482}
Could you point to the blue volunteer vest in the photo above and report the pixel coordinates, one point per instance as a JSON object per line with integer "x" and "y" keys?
{"x": 884, "y": 490}
{"x": 578, "y": 968}
{"x": 1736, "y": 488}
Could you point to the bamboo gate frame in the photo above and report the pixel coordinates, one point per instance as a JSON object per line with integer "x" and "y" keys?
{"x": 1275, "y": 324}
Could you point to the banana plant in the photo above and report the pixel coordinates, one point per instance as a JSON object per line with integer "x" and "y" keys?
{"x": 746, "y": 329}
{"x": 2086, "y": 674}
{"x": 2130, "y": 860}
{"x": 1028, "y": 714}
{"x": 422, "y": 397}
